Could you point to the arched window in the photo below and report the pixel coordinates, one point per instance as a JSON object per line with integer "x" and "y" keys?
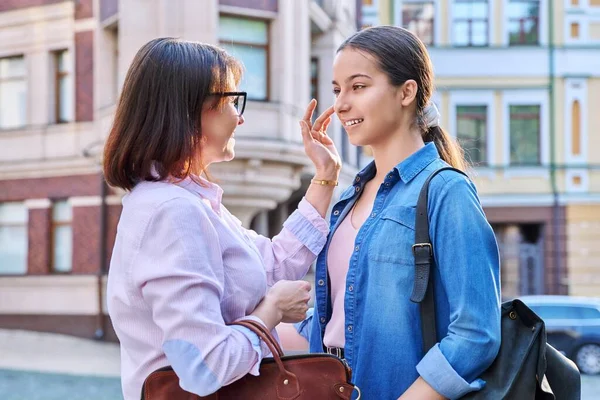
{"x": 576, "y": 128}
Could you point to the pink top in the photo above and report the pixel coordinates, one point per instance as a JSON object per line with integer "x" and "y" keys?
{"x": 182, "y": 268}
{"x": 338, "y": 261}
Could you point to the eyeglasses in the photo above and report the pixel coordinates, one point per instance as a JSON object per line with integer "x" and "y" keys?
{"x": 239, "y": 101}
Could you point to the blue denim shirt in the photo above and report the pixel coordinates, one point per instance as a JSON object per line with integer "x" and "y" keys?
{"x": 383, "y": 327}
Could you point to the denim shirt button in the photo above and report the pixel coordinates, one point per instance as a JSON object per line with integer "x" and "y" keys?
{"x": 350, "y": 288}
{"x": 349, "y": 328}
{"x": 356, "y": 248}
{"x": 357, "y": 188}
{"x": 321, "y": 282}
{"x": 373, "y": 215}
{"x": 322, "y": 320}
{"x": 358, "y": 179}
{"x": 387, "y": 184}
{"x": 336, "y": 212}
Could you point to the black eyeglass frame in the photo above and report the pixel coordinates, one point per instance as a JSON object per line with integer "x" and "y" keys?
{"x": 239, "y": 94}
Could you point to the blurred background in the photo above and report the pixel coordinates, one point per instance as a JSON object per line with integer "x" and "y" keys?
{"x": 517, "y": 84}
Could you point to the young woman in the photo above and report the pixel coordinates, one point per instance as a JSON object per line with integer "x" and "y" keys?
{"x": 383, "y": 82}
{"x": 182, "y": 266}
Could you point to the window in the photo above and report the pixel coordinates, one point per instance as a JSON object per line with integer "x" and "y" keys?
{"x": 470, "y": 22}
{"x": 247, "y": 40}
{"x": 525, "y": 135}
{"x": 62, "y": 236}
{"x": 523, "y": 22}
{"x": 471, "y": 125}
{"x": 13, "y": 93}
{"x": 576, "y": 128}
{"x": 13, "y": 238}
{"x": 64, "y": 107}
{"x": 418, "y": 18}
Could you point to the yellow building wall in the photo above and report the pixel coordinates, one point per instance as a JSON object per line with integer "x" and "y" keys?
{"x": 583, "y": 252}
{"x": 385, "y": 15}
{"x": 559, "y": 120}
{"x": 593, "y": 112}
{"x": 559, "y": 22}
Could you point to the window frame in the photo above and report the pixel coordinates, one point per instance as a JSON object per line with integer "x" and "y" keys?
{"x": 477, "y": 98}
{"x": 58, "y": 75}
{"x": 526, "y": 97}
{"x": 53, "y": 227}
{"x": 484, "y": 136}
{"x": 266, "y": 47}
{"x": 26, "y": 226}
{"x": 14, "y": 79}
{"x": 487, "y": 19}
{"x": 541, "y": 24}
{"x": 435, "y": 39}
{"x": 539, "y": 134}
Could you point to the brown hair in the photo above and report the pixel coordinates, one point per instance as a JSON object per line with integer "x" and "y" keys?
{"x": 403, "y": 56}
{"x": 158, "y": 117}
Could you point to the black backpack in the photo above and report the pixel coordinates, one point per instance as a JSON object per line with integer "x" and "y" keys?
{"x": 526, "y": 366}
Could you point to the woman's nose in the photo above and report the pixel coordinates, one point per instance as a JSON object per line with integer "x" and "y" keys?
{"x": 241, "y": 120}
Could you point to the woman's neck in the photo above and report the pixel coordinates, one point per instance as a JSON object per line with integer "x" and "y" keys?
{"x": 395, "y": 150}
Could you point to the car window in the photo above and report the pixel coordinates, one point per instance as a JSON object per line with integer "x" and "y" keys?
{"x": 548, "y": 312}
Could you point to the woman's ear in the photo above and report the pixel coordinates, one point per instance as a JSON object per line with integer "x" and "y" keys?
{"x": 408, "y": 91}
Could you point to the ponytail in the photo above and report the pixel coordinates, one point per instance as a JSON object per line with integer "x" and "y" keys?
{"x": 448, "y": 148}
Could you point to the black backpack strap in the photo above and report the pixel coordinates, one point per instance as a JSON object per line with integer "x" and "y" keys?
{"x": 423, "y": 251}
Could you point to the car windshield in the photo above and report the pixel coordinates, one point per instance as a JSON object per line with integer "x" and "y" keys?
{"x": 548, "y": 311}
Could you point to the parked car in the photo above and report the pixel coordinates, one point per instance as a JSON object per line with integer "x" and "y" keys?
{"x": 572, "y": 327}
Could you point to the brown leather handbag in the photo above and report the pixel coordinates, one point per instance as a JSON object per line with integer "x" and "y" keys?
{"x": 298, "y": 377}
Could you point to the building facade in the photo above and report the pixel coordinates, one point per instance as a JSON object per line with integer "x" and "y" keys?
{"x": 62, "y": 63}
{"x": 518, "y": 84}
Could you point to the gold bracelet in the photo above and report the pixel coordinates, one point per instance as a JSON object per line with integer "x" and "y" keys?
{"x": 323, "y": 182}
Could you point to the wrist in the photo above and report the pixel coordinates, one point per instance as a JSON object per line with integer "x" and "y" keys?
{"x": 327, "y": 174}
{"x": 272, "y": 304}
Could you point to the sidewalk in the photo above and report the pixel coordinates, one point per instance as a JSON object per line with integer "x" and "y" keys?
{"x": 47, "y": 352}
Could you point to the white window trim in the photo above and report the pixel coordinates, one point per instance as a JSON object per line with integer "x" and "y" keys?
{"x": 543, "y": 23}
{"x": 437, "y": 34}
{"x": 477, "y": 98}
{"x": 526, "y": 97}
{"x": 583, "y": 29}
{"x": 572, "y": 94}
{"x": 491, "y": 24}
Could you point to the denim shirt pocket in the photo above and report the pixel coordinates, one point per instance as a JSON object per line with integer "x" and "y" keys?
{"x": 394, "y": 235}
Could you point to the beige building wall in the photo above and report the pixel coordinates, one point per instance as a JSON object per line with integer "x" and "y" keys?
{"x": 583, "y": 236}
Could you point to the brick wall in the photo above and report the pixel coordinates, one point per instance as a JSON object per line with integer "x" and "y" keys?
{"x": 84, "y": 9}
{"x": 39, "y": 251}
{"x": 49, "y": 188}
{"x": 86, "y": 239}
{"x": 84, "y": 76}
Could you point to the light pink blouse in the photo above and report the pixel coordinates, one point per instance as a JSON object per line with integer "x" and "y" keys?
{"x": 182, "y": 268}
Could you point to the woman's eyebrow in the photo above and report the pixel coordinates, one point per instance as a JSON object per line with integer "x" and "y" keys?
{"x": 352, "y": 77}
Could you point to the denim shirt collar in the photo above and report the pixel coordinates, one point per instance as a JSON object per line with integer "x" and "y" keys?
{"x": 405, "y": 170}
{"x": 416, "y": 162}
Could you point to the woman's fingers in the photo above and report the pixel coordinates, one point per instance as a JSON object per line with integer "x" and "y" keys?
{"x": 318, "y": 125}
{"x": 309, "y": 112}
{"x": 306, "y": 134}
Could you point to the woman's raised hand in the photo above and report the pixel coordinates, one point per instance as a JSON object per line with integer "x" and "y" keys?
{"x": 318, "y": 146}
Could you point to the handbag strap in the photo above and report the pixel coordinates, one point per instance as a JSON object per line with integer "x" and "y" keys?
{"x": 258, "y": 326}
{"x": 264, "y": 335}
{"x": 422, "y": 292}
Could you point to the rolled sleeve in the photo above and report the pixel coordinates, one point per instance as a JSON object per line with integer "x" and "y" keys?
{"x": 258, "y": 345}
{"x": 435, "y": 369}
{"x": 303, "y": 327}
{"x": 469, "y": 269}
{"x": 308, "y": 226}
